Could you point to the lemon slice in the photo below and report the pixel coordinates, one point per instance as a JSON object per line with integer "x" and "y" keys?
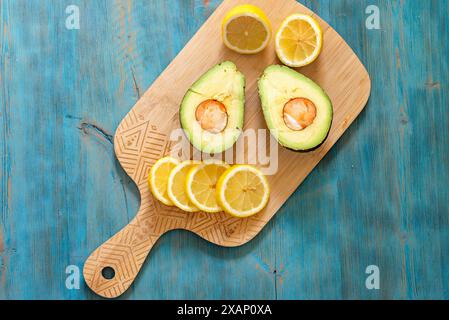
{"x": 176, "y": 186}
{"x": 246, "y": 29}
{"x": 158, "y": 179}
{"x": 201, "y": 185}
{"x": 243, "y": 191}
{"x": 299, "y": 40}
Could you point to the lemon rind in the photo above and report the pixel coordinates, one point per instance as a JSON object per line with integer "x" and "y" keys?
{"x": 256, "y": 13}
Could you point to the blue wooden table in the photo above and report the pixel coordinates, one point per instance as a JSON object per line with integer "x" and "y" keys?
{"x": 381, "y": 196}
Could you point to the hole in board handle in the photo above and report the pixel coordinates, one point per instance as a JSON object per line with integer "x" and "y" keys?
{"x": 108, "y": 273}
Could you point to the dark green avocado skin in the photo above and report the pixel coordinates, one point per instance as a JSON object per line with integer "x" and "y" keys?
{"x": 313, "y": 149}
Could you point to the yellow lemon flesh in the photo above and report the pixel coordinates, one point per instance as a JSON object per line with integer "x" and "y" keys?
{"x": 201, "y": 185}
{"x": 243, "y": 191}
{"x": 176, "y": 186}
{"x": 299, "y": 40}
{"x": 158, "y": 179}
{"x": 246, "y": 29}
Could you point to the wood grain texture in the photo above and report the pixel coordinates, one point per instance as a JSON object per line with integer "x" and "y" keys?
{"x": 143, "y": 137}
{"x": 379, "y": 197}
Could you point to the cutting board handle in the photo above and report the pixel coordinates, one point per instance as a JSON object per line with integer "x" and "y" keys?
{"x": 112, "y": 268}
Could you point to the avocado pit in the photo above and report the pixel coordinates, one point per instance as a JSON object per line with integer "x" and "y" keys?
{"x": 299, "y": 113}
{"x": 212, "y": 116}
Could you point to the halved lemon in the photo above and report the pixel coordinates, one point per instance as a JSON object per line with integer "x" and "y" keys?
{"x": 158, "y": 179}
{"x": 201, "y": 185}
{"x": 246, "y": 29}
{"x": 299, "y": 40}
{"x": 243, "y": 191}
{"x": 176, "y": 186}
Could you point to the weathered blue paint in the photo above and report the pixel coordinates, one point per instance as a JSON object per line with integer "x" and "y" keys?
{"x": 380, "y": 197}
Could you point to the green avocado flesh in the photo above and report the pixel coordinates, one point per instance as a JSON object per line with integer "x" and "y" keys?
{"x": 225, "y": 86}
{"x": 277, "y": 87}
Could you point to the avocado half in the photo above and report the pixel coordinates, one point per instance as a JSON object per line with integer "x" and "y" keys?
{"x": 297, "y": 111}
{"x": 213, "y": 109}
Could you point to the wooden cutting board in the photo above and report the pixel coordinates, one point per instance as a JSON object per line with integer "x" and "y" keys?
{"x": 143, "y": 137}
